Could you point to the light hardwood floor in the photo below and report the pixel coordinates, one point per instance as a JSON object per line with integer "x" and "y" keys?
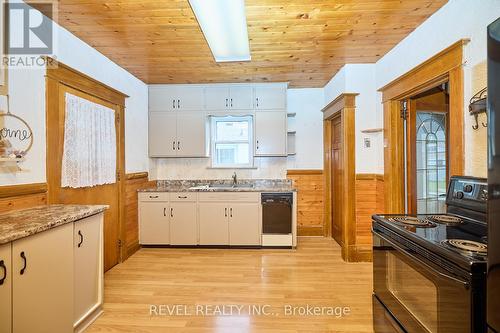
{"x": 313, "y": 274}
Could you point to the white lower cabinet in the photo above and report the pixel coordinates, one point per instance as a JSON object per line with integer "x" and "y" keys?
{"x": 183, "y": 226}
{"x": 5, "y": 288}
{"x": 42, "y": 282}
{"x": 214, "y": 218}
{"x": 88, "y": 270}
{"x": 244, "y": 224}
{"x": 154, "y": 223}
{"x": 214, "y": 223}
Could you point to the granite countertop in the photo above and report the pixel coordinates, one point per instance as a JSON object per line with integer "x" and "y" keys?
{"x": 26, "y": 222}
{"x": 258, "y": 185}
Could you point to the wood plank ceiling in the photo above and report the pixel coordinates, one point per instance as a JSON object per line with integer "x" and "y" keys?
{"x": 297, "y": 41}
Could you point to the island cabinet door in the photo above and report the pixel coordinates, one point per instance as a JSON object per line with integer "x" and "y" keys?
{"x": 214, "y": 228}
{"x": 183, "y": 225}
{"x": 244, "y": 224}
{"x": 87, "y": 251}
{"x": 42, "y": 282}
{"x": 5, "y": 288}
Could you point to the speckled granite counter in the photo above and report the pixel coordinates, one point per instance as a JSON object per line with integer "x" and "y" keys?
{"x": 26, "y": 222}
{"x": 245, "y": 185}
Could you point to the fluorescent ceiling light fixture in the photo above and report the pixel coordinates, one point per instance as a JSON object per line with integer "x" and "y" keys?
{"x": 224, "y": 25}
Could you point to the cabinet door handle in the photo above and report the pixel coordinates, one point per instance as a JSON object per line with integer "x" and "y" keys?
{"x": 173, "y": 145}
{"x": 178, "y": 145}
{"x": 173, "y": 103}
{"x": 182, "y": 197}
{"x": 231, "y": 102}
{"x": 164, "y": 211}
{"x": 23, "y": 256}
{"x": 230, "y": 212}
{"x": 153, "y": 197}
{"x": 225, "y": 212}
{"x": 226, "y": 102}
{"x": 257, "y": 144}
{"x": 257, "y": 101}
{"x": 171, "y": 212}
{"x": 2, "y": 264}
{"x": 81, "y": 238}
{"x": 178, "y": 103}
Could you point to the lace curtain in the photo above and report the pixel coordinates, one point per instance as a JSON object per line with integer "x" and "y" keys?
{"x": 89, "y": 156}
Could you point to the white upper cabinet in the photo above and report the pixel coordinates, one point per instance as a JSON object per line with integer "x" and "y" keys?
{"x": 162, "y": 134}
{"x": 270, "y": 133}
{"x": 217, "y": 98}
{"x": 270, "y": 97}
{"x": 191, "y": 138}
{"x": 171, "y": 98}
{"x": 229, "y": 98}
{"x": 190, "y": 98}
{"x": 162, "y": 99}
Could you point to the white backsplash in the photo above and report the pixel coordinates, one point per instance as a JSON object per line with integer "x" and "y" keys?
{"x": 199, "y": 168}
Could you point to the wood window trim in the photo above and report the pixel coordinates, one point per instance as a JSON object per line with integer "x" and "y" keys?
{"x": 64, "y": 75}
{"x": 445, "y": 66}
{"x": 344, "y": 106}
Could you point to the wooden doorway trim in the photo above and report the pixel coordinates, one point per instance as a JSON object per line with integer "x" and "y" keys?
{"x": 446, "y": 66}
{"x": 61, "y": 77}
{"x": 343, "y": 106}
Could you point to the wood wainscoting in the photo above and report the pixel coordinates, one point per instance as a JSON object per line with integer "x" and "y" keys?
{"x": 369, "y": 201}
{"x": 14, "y": 197}
{"x": 310, "y": 201}
{"x": 134, "y": 182}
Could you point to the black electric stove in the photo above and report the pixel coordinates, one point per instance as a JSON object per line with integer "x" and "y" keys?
{"x": 429, "y": 270}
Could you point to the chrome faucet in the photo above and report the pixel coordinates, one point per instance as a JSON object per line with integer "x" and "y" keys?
{"x": 235, "y": 179}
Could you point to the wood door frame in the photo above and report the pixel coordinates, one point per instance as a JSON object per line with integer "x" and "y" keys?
{"x": 343, "y": 106}
{"x": 446, "y": 66}
{"x": 69, "y": 77}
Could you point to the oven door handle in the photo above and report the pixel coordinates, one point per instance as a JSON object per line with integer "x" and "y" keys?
{"x": 423, "y": 263}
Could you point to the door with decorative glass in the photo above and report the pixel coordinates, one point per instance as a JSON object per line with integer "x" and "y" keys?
{"x": 426, "y": 136}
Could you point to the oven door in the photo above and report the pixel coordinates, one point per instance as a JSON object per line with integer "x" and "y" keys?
{"x": 420, "y": 295}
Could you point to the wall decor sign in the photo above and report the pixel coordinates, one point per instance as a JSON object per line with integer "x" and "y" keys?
{"x": 16, "y": 136}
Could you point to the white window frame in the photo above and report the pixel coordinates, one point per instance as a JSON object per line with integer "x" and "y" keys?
{"x": 213, "y": 141}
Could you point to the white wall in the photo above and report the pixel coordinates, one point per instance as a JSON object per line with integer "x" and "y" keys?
{"x": 360, "y": 79}
{"x": 308, "y": 123}
{"x": 27, "y": 95}
{"x": 456, "y": 20}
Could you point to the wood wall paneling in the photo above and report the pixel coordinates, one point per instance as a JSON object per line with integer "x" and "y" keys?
{"x": 22, "y": 196}
{"x": 310, "y": 201}
{"x": 134, "y": 182}
{"x": 446, "y": 66}
{"x": 301, "y": 42}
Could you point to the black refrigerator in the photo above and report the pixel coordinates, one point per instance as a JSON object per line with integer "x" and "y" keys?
{"x": 493, "y": 283}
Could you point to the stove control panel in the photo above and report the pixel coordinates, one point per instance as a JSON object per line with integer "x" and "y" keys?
{"x": 468, "y": 191}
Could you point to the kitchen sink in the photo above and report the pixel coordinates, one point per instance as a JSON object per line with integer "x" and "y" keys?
{"x": 227, "y": 186}
{"x": 222, "y": 187}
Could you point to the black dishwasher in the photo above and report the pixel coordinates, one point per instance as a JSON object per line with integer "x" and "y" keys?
{"x": 277, "y": 213}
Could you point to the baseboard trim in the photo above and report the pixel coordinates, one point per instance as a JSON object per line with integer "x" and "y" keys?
{"x": 310, "y": 231}
{"x": 357, "y": 253}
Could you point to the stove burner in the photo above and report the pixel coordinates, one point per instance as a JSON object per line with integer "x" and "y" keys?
{"x": 412, "y": 221}
{"x": 467, "y": 245}
{"x": 445, "y": 219}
